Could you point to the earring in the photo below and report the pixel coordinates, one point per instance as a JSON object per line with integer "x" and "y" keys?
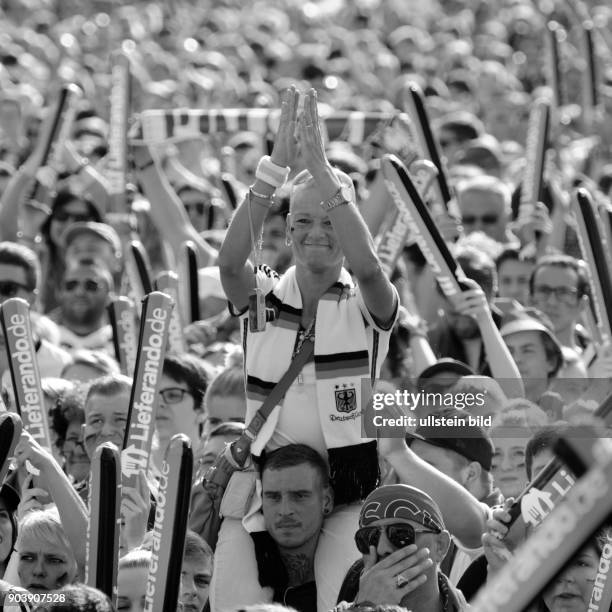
{"x": 288, "y": 241}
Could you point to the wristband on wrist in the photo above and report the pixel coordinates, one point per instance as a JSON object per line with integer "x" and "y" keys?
{"x": 268, "y": 172}
{"x": 260, "y": 198}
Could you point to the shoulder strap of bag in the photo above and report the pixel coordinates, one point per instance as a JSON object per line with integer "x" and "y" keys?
{"x": 241, "y": 447}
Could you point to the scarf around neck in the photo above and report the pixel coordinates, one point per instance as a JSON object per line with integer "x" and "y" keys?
{"x": 344, "y": 358}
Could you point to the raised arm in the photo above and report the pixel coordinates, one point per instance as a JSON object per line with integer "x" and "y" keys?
{"x": 71, "y": 507}
{"x": 463, "y": 514}
{"x": 167, "y": 211}
{"x": 473, "y": 302}
{"x": 236, "y": 270}
{"x": 350, "y": 228}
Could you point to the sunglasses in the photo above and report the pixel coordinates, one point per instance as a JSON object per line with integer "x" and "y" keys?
{"x": 63, "y": 215}
{"x": 173, "y": 395}
{"x": 485, "y": 219}
{"x": 399, "y": 535}
{"x": 90, "y": 285}
{"x": 9, "y": 289}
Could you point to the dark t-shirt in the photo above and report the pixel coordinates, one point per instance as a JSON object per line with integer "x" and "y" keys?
{"x": 303, "y": 597}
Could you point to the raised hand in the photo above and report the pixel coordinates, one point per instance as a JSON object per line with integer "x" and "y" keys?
{"x": 285, "y": 143}
{"x": 390, "y": 579}
{"x": 311, "y": 139}
{"x": 496, "y": 551}
{"x": 32, "y": 498}
{"x": 28, "y": 449}
{"x": 471, "y": 301}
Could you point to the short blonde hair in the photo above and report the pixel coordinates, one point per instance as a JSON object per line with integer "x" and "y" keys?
{"x": 227, "y": 383}
{"x": 45, "y": 526}
{"x": 136, "y": 558}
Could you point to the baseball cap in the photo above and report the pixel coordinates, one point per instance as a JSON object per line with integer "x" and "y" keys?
{"x": 403, "y": 502}
{"x": 524, "y": 324}
{"x": 469, "y": 441}
{"x": 447, "y": 365}
{"x": 101, "y": 230}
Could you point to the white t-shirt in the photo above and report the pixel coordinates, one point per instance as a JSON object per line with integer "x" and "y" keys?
{"x": 299, "y": 421}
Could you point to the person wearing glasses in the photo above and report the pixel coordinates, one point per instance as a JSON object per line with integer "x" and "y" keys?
{"x": 559, "y": 287}
{"x": 184, "y": 381}
{"x": 403, "y": 539}
{"x": 84, "y": 294}
{"x": 485, "y": 206}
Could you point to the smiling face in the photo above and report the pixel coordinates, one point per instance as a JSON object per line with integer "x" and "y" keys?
{"x": 105, "y": 420}
{"x": 571, "y": 590}
{"x": 508, "y": 466}
{"x": 315, "y": 244}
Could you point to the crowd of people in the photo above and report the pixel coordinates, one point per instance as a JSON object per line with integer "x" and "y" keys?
{"x": 328, "y": 512}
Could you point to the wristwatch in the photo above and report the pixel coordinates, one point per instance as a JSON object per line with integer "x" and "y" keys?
{"x": 344, "y": 195}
